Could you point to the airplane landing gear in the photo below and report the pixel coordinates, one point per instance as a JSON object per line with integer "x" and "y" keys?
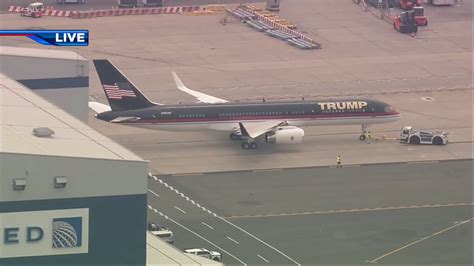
{"x": 249, "y": 145}
{"x": 234, "y": 136}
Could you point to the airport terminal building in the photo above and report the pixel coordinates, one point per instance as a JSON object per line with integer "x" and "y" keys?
{"x": 68, "y": 195}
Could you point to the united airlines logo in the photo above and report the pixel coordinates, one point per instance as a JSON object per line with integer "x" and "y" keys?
{"x": 67, "y": 232}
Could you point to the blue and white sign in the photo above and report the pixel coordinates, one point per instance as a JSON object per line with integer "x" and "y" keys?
{"x": 40, "y": 233}
{"x": 67, "y": 232}
{"x": 53, "y": 37}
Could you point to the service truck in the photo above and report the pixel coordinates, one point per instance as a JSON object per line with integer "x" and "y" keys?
{"x": 411, "y": 136}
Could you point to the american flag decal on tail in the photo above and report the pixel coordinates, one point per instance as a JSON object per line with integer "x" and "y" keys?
{"x": 119, "y": 90}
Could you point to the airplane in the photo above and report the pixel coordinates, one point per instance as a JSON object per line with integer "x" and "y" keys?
{"x": 273, "y": 122}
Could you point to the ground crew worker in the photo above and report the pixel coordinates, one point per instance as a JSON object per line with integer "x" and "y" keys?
{"x": 338, "y": 162}
{"x": 368, "y": 137}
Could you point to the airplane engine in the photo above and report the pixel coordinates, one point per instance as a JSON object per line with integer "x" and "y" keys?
{"x": 285, "y": 135}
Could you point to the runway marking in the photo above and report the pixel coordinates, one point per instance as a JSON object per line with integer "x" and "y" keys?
{"x": 179, "y": 209}
{"x": 233, "y": 240}
{"x": 261, "y": 241}
{"x": 265, "y": 260}
{"x": 153, "y": 192}
{"x": 188, "y": 174}
{"x": 419, "y": 240}
{"x": 205, "y": 224}
{"x": 267, "y": 170}
{"x": 242, "y": 230}
{"x": 351, "y": 165}
{"x": 420, "y": 162}
{"x": 351, "y": 210}
{"x": 203, "y": 238}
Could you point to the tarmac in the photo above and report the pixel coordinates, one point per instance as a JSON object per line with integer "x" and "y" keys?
{"x": 361, "y": 57}
{"x": 391, "y": 203}
{"x": 407, "y": 213}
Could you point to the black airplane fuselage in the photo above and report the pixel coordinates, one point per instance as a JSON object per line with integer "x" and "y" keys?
{"x": 226, "y": 116}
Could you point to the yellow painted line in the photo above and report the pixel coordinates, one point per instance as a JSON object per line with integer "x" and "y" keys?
{"x": 420, "y": 162}
{"x": 352, "y": 210}
{"x": 418, "y": 241}
{"x": 351, "y": 165}
{"x": 188, "y": 174}
{"x": 268, "y": 170}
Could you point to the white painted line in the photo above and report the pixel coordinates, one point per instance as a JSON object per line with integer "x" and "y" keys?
{"x": 149, "y": 207}
{"x": 196, "y": 234}
{"x": 166, "y": 184}
{"x": 419, "y": 240}
{"x": 179, "y": 209}
{"x": 205, "y": 224}
{"x": 268, "y": 170}
{"x": 246, "y": 232}
{"x": 261, "y": 241}
{"x": 153, "y": 192}
{"x": 353, "y": 210}
{"x": 233, "y": 240}
{"x": 265, "y": 260}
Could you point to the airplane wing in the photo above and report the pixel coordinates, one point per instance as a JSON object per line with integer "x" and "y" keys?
{"x": 255, "y": 130}
{"x": 202, "y": 97}
{"x": 99, "y": 107}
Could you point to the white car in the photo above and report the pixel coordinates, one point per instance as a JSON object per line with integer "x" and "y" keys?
{"x": 202, "y": 252}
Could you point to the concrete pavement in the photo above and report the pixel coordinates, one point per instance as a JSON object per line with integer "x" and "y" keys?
{"x": 326, "y": 215}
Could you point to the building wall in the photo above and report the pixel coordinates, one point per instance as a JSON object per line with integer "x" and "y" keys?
{"x": 63, "y": 82}
{"x": 113, "y": 192}
{"x": 86, "y": 177}
{"x": 117, "y": 230}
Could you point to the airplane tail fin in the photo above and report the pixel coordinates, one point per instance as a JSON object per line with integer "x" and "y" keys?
{"x": 121, "y": 93}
